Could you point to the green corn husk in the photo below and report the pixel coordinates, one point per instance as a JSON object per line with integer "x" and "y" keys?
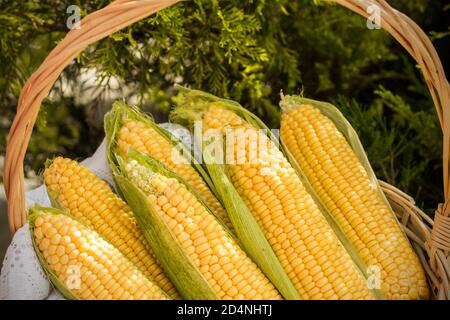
{"x": 37, "y": 211}
{"x": 192, "y": 103}
{"x": 248, "y": 230}
{"x": 109, "y": 234}
{"x": 342, "y": 124}
{"x": 59, "y": 285}
{"x": 288, "y": 102}
{"x": 190, "y": 107}
{"x": 120, "y": 112}
{"x": 177, "y": 264}
{"x": 245, "y": 225}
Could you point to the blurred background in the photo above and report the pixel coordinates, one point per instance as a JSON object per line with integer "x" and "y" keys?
{"x": 245, "y": 50}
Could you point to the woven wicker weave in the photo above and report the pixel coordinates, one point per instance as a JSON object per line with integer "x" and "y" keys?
{"x": 431, "y": 239}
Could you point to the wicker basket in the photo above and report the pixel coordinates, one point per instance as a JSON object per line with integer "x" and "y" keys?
{"x": 431, "y": 239}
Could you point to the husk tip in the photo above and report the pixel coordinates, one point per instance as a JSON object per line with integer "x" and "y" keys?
{"x": 34, "y": 212}
{"x": 119, "y": 104}
{"x": 288, "y": 102}
{"x": 186, "y": 114}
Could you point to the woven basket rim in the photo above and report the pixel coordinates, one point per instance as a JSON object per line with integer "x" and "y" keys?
{"x": 431, "y": 239}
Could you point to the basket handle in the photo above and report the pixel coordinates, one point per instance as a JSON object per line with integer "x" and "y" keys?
{"x": 121, "y": 13}
{"x": 95, "y": 26}
{"x": 420, "y": 47}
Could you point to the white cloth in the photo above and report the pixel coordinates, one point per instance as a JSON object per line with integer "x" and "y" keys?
{"x": 22, "y": 277}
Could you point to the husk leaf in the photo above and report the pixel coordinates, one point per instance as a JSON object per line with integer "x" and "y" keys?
{"x": 191, "y": 104}
{"x": 159, "y": 167}
{"x": 248, "y": 230}
{"x": 345, "y": 128}
{"x": 113, "y": 122}
{"x": 342, "y": 124}
{"x": 177, "y": 264}
{"x": 34, "y": 213}
{"x": 349, "y": 133}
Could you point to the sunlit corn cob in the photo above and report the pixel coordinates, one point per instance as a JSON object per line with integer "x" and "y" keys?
{"x": 314, "y": 259}
{"x": 82, "y": 264}
{"x": 341, "y": 181}
{"x": 139, "y": 134}
{"x": 246, "y": 228}
{"x": 225, "y": 266}
{"x": 85, "y": 196}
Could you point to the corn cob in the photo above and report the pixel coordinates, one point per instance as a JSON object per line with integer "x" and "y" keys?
{"x": 81, "y": 264}
{"x": 343, "y": 184}
{"x": 142, "y": 134}
{"x": 219, "y": 264}
{"x": 314, "y": 259}
{"x": 247, "y": 229}
{"x": 75, "y": 188}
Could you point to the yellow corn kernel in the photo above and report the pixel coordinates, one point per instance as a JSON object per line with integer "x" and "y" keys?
{"x": 95, "y": 204}
{"x": 147, "y": 140}
{"x": 299, "y": 234}
{"x": 201, "y": 232}
{"x": 84, "y": 276}
{"x": 342, "y": 183}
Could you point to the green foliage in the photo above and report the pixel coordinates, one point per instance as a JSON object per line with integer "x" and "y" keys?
{"x": 243, "y": 50}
